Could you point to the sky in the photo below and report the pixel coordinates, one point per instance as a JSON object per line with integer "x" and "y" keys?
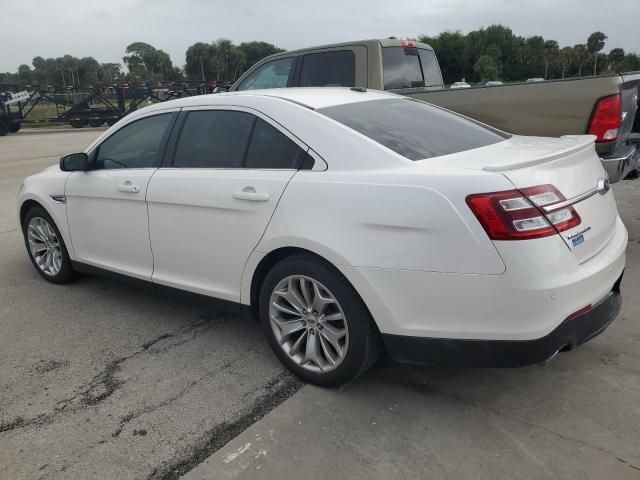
{"x": 103, "y": 28}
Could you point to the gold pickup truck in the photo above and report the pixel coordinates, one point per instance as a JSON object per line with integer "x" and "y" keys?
{"x": 605, "y": 106}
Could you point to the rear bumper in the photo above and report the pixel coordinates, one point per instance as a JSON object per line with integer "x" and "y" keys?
{"x": 620, "y": 163}
{"x": 506, "y": 353}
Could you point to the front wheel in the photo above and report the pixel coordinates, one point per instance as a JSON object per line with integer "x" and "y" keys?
{"x": 46, "y": 247}
{"x": 316, "y": 323}
{"x": 15, "y": 127}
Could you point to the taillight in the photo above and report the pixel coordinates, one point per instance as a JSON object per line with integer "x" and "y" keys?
{"x": 408, "y": 43}
{"x": 515, "y": 214}
{"x": 605, "y": 119}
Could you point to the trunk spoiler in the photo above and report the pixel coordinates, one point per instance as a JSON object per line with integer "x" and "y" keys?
{"x": 582, "y": 142}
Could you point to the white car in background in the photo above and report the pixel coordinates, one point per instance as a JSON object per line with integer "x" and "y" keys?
{"x": 350, "y": 222}
{"x": 458, "y": 85}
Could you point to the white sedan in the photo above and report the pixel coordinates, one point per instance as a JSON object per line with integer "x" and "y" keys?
{"x": 349, "y": 222}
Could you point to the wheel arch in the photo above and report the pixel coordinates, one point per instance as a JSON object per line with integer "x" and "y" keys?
{"x": 27, "y": 205}
{"x": 266, "y": 264}
{"x": 268, "y": 261}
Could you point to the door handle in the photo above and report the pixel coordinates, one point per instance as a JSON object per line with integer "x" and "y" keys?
{"x": 128, "y": 187}
{"x": 250, "y": 194}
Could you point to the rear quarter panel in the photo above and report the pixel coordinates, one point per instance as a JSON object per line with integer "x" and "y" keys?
{"x": 386, "y": 219}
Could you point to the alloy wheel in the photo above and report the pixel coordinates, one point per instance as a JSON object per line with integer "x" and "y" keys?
{"x": 308, "y": 323}
{"x": 44, "y": 246}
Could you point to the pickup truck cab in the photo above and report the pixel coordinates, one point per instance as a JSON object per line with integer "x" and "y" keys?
{"x": 605, "y": 106}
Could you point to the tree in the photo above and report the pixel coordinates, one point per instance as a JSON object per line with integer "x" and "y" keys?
{"x": 486, "y": 68}
{"x": 25, "y": 74}
{"x": 616, "y": 57}
{"x": 145, "y": 62}
{"x": 256, "y": 51}
{"x": 564, "y": 59}
{"x": 580, "y": 56}
{"x": 551, "y": 50}
{"x": 198, "y": 58}
{"x": 595, "y": 43}
{"x": 88, "y": 71}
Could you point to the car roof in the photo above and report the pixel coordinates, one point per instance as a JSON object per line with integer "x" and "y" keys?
{"x": 309, "y": 97}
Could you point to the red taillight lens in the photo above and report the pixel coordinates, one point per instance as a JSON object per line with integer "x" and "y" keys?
{"x": 514, "y": 214}
{"x": 605, "y": 119}
{"x": 408, "y": 43}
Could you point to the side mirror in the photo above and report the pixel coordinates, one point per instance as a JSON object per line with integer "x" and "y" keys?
{"x": 74, "y": 162}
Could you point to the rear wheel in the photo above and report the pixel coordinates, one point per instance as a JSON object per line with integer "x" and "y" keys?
{"x": 77, "y": 123}
{"x": 15, "y": 127}
{"x": 112, "y": 121}
{"x": 96, "y": 122}
{"x": 316, "y": 323}
{"x": 4, "y": 128}
{"x": 46, "y": 247}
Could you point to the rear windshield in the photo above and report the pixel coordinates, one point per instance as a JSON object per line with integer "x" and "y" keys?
{"x": 414, "y": 129}
{"x": 409, "y": 67}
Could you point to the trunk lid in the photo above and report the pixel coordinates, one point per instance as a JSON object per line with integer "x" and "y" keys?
{"x": 568, "y": 163}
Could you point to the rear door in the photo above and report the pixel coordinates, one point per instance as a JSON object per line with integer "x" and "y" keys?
{"x": 209, "y": 208}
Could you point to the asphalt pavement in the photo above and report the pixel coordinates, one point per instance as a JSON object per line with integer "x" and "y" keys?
{"x": 102, "y": 380}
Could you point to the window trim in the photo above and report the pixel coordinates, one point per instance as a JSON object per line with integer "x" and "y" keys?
{"x": 95, "y": 148}
{"x": 170, "y": 151}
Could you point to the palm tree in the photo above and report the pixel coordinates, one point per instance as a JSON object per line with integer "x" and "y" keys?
{"x": 595, "y": 43}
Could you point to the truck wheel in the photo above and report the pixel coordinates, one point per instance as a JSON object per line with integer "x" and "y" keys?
{"x": 4, "y": 128}
{"x": 96, "y": 122}
{"x": 15, "y": 127}
{"x": 112, "y": 121}
{"x": 77, "y": 123}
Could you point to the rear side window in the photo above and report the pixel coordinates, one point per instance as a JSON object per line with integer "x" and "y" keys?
{"x": 274, "y": 74}
{"x": 409, "y": 68}
{"x": 329, "y": 69}
{"x": 213, "y": 139}
{"x": 415, "y": 130}
{"x": 269, "y": 148}
{"x": 430, "y": 68}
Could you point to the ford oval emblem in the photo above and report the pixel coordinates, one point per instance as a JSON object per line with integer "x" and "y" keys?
{"x": 603, "y": 185}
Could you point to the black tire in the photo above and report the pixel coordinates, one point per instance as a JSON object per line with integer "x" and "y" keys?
{"x": 77, "y": 123}
{"x": 365, "y": 345}
{"x": 96, "y": 123}
{"x": 112, "y": 121}
{"x": 4, "y": 128}
{"x": 66, "y": 273}
{"x": 15, "y": 127}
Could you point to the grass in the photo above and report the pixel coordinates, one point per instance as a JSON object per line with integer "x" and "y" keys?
{"x": 44, "y": 114}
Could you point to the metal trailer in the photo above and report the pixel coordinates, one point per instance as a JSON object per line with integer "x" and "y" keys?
{"x": 103, "y": 104}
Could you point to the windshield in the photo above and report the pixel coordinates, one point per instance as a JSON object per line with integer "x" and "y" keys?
{"x": 409, "y": 67}
{"x": 414, "y": 129}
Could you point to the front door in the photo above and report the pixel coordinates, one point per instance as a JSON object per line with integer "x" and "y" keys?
{"x": 106, "y": 207}
{"x": 209, "y": 210}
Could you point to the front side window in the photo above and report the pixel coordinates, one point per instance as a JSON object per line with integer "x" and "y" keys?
{"x": 274, "y": 74}
{"x": 213, "y": 139}
{"x": 269, "y": 148}
{"x": 329, "y": 69}
{"x": 135, "y": 145}
{"x": 414, "y": 129}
